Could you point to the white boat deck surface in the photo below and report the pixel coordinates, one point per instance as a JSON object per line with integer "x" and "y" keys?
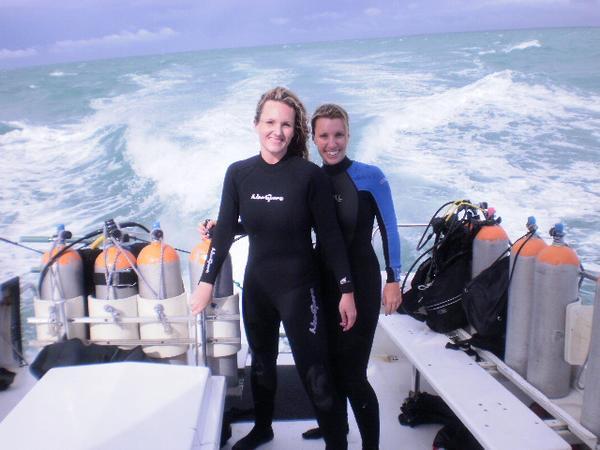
{"x": 497, "y": 418}
{"x": 390, "y": 375}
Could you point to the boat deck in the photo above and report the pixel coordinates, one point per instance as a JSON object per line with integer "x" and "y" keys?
{"x": 391, "y": 376}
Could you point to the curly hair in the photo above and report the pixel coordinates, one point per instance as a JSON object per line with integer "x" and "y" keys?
{"x": 298, "y": 145}
{"x": 329, "y": 111}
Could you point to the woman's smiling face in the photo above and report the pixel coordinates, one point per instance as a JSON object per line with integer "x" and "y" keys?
{"x": 331, "y": 138}
{"x": 275, "y": 130}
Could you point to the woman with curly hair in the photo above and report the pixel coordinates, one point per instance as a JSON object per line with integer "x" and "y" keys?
{"x": 280, "y": 197}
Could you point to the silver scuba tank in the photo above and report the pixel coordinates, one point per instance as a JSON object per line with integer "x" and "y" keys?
{"x": 64, "y": 280}
{"x": 221, "y": 357}
{"x": 114, "y": 275}
{"x": 159, "y": 266}
{"x": 116, "y": 289}
{"x": 590, "y": 413}
{"x": 555, "y": 286}
{"x": 520, "y": 297}
{"x": 62, "y": 292}
{"x": 489, "y": 243}
{"x": 161, "y": 296}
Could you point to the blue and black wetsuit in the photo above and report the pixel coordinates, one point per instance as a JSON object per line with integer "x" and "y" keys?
{"x": 362, "y": 194}
{"x": 278, "y": 206}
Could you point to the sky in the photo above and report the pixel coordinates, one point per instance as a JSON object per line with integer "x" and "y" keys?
{"x": 34, "y": 32}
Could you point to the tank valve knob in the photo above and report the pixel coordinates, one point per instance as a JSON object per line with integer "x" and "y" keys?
{"x": 557, "y": 232}
{"x": 156, "y": 233}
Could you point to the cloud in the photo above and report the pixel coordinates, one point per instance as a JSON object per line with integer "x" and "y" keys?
{"x": 372, "y": 12}
{"x": 15, "y": 54}
{"x": 279, "y": 20}
{"x": 118, "y": 39}
{"x": 327, "y": 15}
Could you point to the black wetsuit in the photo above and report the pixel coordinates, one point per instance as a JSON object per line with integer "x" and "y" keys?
{"x": 362, "y": 194}
{"x": 278, "y": 205}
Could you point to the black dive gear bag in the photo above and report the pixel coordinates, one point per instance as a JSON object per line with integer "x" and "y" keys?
{"x": 437, "y": 288}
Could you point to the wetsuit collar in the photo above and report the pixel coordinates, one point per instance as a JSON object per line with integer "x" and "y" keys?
{"x": 282, "y": 162}
{"x": 340, "y": 167}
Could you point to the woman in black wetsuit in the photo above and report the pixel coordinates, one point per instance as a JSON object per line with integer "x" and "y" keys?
{"x": 362, "y": 195}
{"x": 280, "y": 197}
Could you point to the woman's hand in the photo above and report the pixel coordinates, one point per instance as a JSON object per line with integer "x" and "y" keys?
{"x": 347, "y": 311}
{"x": 201, "y": 297}
{"x": 392, "y": 297}
{"x": 204, "y": 228}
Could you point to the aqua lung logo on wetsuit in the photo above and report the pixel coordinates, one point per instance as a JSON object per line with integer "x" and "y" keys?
{"x": 338, "y": 198}
{"x": 313, "y": 309}
{"x": 209, "y": 261}
{"x": 267, "y": 197}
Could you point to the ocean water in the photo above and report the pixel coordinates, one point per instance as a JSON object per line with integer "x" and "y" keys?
{"x": 511, "y": 118}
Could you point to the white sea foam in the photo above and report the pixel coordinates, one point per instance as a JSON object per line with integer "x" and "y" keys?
{"x": 44, "y": 184}
{"x": 443, "y": 139}
{"x": 186, "y": 157}
{"x": 58, "y": 73}
{"x": 440, "y": 129}
{"x": 523, "y": 45}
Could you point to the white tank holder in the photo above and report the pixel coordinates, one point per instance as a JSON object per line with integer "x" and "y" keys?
{"x": 122, "y": 307}
{"x": 578, "y": 332}
{"x": 74, "y": 307}
{"x": 223, "y": 329}
{"x": 169, "y": 307}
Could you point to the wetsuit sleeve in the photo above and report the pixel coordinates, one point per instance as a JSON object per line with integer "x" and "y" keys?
{"x": 328, "y": 230}
{"x": 225, "y": 231}
{"x": 388, "y": 225}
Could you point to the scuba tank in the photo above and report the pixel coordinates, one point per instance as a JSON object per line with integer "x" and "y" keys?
{"x": 114, "y": 277}
{"x": 62, "y": 290}
{"x": 65, "y": 279}
{"x": 161, "y": 295}
{"x": 221, "y": 358}
{"x": 116, "y": 288}
{"x": 520, "y": 296}
{"x": 490, "y": 242}
{"x": 555, "y": 286}
{"x": 159, "y": 266}
{"x": 590, "y": 413}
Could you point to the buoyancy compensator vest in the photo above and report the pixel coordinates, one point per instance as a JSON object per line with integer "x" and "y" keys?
{"x": 437, "y": 287}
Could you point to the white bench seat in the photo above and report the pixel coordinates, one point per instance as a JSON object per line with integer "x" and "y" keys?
{"x": 497, "y": 419}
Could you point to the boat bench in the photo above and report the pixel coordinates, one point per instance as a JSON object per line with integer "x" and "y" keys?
{"x": 496, "y": 418}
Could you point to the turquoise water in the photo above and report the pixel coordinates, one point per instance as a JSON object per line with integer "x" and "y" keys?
{"x": 511, "y": 118}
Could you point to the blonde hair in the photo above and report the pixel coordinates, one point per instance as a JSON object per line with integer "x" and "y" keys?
{"x": 329, "y": 111}
{"x": 298, "y": 145}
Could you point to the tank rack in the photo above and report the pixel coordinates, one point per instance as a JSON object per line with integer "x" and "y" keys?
{"x": 566, "y": 411}
{"x": 192, "y": 341}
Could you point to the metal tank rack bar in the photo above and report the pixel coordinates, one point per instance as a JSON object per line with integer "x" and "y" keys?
{"x": 174, "y": 341}
{"x": 570, "y": 422}
{"x": 93, "y": 320}
{"x": 590, "y": 275}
